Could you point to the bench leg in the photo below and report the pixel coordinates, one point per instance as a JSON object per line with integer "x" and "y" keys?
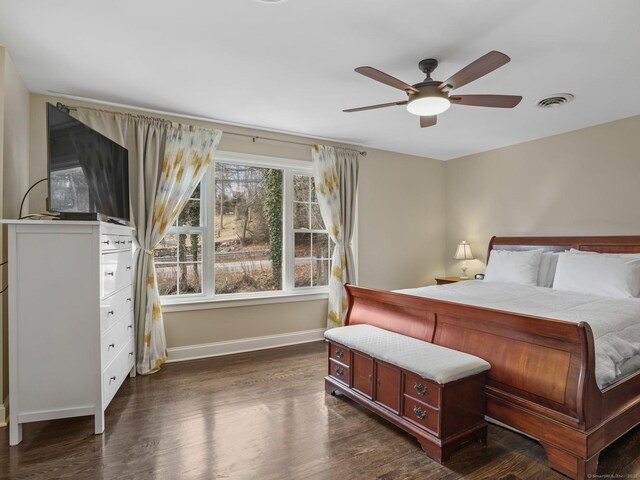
{"x": 329, "y": 388}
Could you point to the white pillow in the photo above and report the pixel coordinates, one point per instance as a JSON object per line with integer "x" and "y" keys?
{"x": 511, "y": 266}
{"x": 547, "y": 269}
{"x": 573, "y": 251}
{"x": 604, "y": 275}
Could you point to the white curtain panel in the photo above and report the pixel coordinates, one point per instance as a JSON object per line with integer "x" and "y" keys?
{"x": 335, "y": 172}
{"x": 164, "y": 161}
{"x": 188, "y": 153}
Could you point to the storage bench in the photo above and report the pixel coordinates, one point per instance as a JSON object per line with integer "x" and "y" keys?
{"x": 434, "y": 393}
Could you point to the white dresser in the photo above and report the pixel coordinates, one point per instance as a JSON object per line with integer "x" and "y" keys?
{"x": 71, "y": 332}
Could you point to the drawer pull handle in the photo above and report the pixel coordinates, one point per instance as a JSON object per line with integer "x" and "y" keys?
{"x": 130, "y": 354}
{"x": 129, "y": 267}
{"x": 339, "y": 353}
{"x": 110, "y": 312}
{"x": 420, "y": 413}
{"x": 106, "y": 242}
{"x": 420, "y": 389}
{"x": 111, "y": 345}
{"x": 107, "y": 274}
{"x": 339, "y": 371}
{"x": 128, "y": 299}
{"x": 112, "y": 379}
{"x": 129, "y": 326}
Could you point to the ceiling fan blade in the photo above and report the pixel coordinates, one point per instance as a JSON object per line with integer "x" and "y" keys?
{"x": 385, "y": 78}
{"x": 428, "y": 121}
{"x": 380, "y": 105}
{"x": 498, "y": 101}
{"x": 479, "y": 68}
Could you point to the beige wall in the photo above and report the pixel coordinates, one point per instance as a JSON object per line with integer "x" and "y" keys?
{"x": 397, "y": 194}
{"x": 400, "y": 221}
{"x": 14, "y": 176}
{"x": 579, "y": 183}
{"x": 3, "y": 256}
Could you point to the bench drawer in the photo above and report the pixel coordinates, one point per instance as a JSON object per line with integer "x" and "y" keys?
{"x": 340, "y": 353}
{"x": 422, "y": 390}
{"x": 421, "y": 414}
{"x": 339, "y": 372}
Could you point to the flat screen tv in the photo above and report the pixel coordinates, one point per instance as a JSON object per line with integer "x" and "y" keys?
{"x": 88, "y": 172}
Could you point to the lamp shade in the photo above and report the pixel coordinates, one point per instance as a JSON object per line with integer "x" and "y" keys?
{"x": 463, "y": 252}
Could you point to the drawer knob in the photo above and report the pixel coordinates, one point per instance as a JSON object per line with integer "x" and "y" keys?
{"x": 112, "y": 379}
{"x": 339, "y": 371}
{"x": 339, "y": 353}
{"x": 110, "y": 312}
{"x": 117, "y": 242}
{"x": 106, "y": 242}
{"x": 129, "y": 267}
{"x": 130, "y": 354}
{"x": 129, "y": 326}
{"x": 420, "y": 389}
{"x": 420, "y": 413}
{"x": 128, "y": 299}
{"x": 130, "y": 241}
{"x": 108, "y": 274}
{"x": 111, "y": 345}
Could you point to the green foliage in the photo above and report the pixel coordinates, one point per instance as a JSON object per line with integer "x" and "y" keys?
{"x": 272, "y": 208}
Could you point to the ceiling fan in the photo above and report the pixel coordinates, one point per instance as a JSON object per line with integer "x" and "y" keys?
{"x": 431, "y": 97}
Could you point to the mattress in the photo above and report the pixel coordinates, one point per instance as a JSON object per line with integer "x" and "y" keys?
{"x": 615, "y": 322}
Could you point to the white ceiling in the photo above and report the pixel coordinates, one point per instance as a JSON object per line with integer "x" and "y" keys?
{"x": 289, "y": 66}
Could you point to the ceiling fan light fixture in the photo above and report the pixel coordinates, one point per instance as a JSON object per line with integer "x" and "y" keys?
{"x": 428, "y": 106}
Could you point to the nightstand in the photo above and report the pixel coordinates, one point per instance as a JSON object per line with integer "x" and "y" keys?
{"x": 445, "y": 280}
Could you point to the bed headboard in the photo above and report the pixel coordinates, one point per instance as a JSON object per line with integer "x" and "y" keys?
{"x": 601, "y": 244}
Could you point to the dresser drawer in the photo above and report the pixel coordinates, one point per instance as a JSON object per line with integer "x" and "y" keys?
{"x": 340, "y": 353}
{"x": 109, "y": 241}
{"x": 421, "y": 414}
{"x": 124, "y": 242}
{"x": 116, "y": 270}
{"x": 114, "y": 307}
{"x": 112, "y": 342}
{"x": 127, "y": 326}
{"x": 422, "y": 390}
{"x": 339, "y": 372}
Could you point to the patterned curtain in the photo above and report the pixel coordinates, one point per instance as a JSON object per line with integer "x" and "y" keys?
{"x": 188, "y": 153}
{"x": 336, "y": 177}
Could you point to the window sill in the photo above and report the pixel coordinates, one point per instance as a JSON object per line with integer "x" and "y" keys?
{"x": 170, "y": 305}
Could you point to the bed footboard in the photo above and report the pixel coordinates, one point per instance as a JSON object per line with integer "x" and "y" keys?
{"x": 542, "y": 377}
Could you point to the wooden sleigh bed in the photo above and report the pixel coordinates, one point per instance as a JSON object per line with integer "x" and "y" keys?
{"x": 542, "y": 380}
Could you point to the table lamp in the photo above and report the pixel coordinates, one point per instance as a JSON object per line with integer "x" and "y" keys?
{"x": 463, "y": 252}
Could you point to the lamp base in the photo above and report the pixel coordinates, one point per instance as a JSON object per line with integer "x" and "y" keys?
{"x": 464, "y": 271}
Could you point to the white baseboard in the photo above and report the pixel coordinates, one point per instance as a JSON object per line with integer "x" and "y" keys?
{"x": 193, "y": 352}
{"x": 4, "y": 408}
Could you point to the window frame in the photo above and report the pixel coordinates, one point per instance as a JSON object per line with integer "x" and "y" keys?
{"x": 289, "y": 293}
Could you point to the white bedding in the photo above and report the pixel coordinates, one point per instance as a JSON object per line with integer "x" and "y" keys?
{"x": 615, "y": 322}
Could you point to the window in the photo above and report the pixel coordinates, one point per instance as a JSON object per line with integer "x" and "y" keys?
{"x": 178, "y": 258}
{"x": 312, "y": 245}
{"x": 252, "y": 227}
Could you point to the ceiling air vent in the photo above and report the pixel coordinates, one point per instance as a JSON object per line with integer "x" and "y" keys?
{"x": 555, "y": 100}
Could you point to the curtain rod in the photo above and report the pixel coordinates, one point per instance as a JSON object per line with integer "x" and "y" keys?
{"x": 257, "y": 137}
{"x": 62, "y": 106}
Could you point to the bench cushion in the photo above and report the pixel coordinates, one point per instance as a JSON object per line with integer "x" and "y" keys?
{"x": 440, "y": 364}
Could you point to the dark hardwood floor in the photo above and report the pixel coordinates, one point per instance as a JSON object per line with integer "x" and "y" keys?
{"x": 262, "y": 415}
